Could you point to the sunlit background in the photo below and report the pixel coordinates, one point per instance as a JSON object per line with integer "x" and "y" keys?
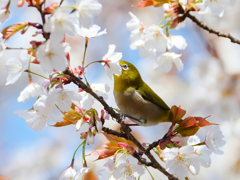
{"x": 209, "y": 84}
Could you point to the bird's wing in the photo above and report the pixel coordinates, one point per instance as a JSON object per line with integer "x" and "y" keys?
{"x": 148, "y": 94}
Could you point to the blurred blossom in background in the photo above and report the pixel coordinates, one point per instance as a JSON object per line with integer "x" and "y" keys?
{"x": 209, "y": 84}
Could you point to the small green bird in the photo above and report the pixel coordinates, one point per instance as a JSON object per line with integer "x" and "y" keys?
{"x": 136, "y": 99}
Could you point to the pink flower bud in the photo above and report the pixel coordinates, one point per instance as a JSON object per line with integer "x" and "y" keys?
{"x": 104, "y": 114}
{"x": 50, "y": 9}
{"x": 46, "y": 83}
{"x": 83, "y": 135}
{"x": 130, "y": 149}
{"x": 20, "y": 3}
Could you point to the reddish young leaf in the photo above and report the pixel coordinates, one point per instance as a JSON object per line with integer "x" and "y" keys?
{"x": 188, "y": 122}
{"x": 145, "y": 3}
{"x": 35, "y": 61}
{"x": 12, "y": 29}
{"x": 64, "y": 122}
{"x": 176, "y": 114}
{"x": 50, "y": 9}
{"x": 115, "y": 139}
{"x": 190, "y": 131}
{"x": 33, "y": 54}
{"x": 70, "y": 117}
{"x": 202, "y": 122}
{"x": 104, "y": 152}
{"x": 111, "y": 147}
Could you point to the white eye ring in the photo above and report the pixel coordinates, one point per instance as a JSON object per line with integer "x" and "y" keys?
{"x": 124, "y": 67}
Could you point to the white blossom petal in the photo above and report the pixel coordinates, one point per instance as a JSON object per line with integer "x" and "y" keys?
{"x": 111, "y": 63}
{"x": 177, "y": 41}
{"x": 154, "y": 38}
{"x": 90, "y": 32}
{"x": 87, "y": 9}
{"x": 214, "y": 140}
{"x": 52, "y": 55}
{"x": 32, "y": 90}
{"x": 4, "y": 15}
{"x": 164, "y": 62}
{"x": 128, "y": 171}
{"x": 60, "y": 23}
{"x": 110, "y": 164}
{"x": 68, "y": 174}
{"x": 184, "y": 158}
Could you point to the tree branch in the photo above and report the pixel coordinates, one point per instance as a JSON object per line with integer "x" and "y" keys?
{"x": 210, "y": 30}
{"x": 127, "y": 135}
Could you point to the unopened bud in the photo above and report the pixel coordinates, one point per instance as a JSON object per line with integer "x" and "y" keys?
{"x": 79, "y": 124}
{"x": 94, "y": 130}
{"x": 50, "y": 9}
{"x": 83, "y": 135}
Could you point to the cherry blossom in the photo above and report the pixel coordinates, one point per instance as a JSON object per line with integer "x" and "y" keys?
{"x": 178, "y": 161}
{"x": 52, "y": 55}
{"x": 16, "y": 66}
{"x": 202, "y": 151}
{"x": 60, "y": 23}
{"x": 214, "y": 140}
{"x": 134, "y": 25}
{"x": 32, "y": 90}
{"x": 111, "y": 63}
{"x": 217, "y": 7}
{"x": 178, "y": 41}
{"x": 136, "y": 28}
{"x": 143, "y": 51}
{"x": 2, "y": 45}
{"x": 63, "y": 98}
{"x": 68, "y": 174}
{"x": 90, "y": 32}
{"x": 154, "y": 38}
{"x": 36, "y": 118}
{"x": 164, "y": 62}
{"x": 87, "y": 9}
{"x": 128, "y": 171}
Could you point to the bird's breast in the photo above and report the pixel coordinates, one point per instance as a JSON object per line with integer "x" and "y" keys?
{"x": 131, "y": 103}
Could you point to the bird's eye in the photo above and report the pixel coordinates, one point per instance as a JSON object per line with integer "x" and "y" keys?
{"x": 124, "y": 67}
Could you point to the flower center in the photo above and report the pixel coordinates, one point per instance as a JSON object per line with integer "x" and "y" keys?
{"x": 49, "y": 54}
{"x": 181, "y": 159}
{"x": 128, "y": 171}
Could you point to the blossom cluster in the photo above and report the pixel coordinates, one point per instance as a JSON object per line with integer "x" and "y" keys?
{"x": 152, "y": 41}
{"x": 62, "y": 102}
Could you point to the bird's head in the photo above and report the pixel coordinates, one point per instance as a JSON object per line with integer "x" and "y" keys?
{"x": 129, "y": 77}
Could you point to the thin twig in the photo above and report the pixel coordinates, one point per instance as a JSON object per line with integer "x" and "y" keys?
{"x": 210, "y": 30}
{"x": 126, "y": 134}
{"x": 45, "y": 35}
